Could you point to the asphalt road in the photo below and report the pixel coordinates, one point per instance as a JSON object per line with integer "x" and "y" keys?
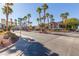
{"x": 54, "y": 44}
{"x": 64, "y": 45}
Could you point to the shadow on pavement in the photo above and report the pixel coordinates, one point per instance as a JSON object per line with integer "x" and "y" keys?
{"x": 32, "y": 48}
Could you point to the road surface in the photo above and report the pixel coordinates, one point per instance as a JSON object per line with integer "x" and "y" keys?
{"x": 60, "y": 44}
{"x": 45, "y": 44}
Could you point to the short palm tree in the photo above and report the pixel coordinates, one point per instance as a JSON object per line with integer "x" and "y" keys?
{"x": 64, "y": 18}
{"x": 25, "y": 18}
{"x": 28, "y": 16}
{"x": 15, "y": 22}
{"x": 45, "y": 7}
{"x": 7, "y": 10}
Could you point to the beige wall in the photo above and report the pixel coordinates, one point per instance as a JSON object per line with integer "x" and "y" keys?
{"x": 3, "y": 21}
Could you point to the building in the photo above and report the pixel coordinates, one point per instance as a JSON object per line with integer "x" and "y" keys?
{"x": 54, "y": 25}
{"x": 2, "y": 26}
{"x": 10, "y": 23}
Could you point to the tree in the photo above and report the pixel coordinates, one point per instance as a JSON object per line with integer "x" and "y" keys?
{"x": 38, "y": 20}
{"x": 47, "y": 15}
{"x": 39, "y": 12}
{"x": 64, "y": 17}
{"x": 72, "y": 22}
{"x": 28, "y": 16}
{"x": 7, "y": 10}
{"x": 45, "y": 7}
{"x": 25, "y": 18}
{"x": 15, "y": 22}
{"x": 20, "y": 21}
{"x": 51, "y": 18}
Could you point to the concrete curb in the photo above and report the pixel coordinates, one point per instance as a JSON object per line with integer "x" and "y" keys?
{"x": 4, "y": 49}
{"x": 19, "y": 53}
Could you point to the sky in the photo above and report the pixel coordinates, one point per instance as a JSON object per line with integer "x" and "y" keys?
{"x": 22, "y": 9}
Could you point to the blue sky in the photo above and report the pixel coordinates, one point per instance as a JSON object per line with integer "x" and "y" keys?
{"x": 22, "y": 9}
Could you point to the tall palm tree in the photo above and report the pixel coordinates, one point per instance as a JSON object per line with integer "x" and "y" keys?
{"x": 39, "y": 12}
{"x": 47, "y": 15}
{"x": 51, "y": 18}
{"x": 45, "y": 7}
{"x": 7, "y": 10}
{"x": 28, "y": 16}
{"x": 38, "y": 20}
{"x": 11, "y": 23}
{"x": 42, "y": 19}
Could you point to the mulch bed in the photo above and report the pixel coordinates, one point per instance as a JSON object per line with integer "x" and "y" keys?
{"x": 6, "y": 42}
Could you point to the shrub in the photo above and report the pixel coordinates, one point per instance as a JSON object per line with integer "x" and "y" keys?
{"x": 1, "y": 30}
{"x": 10, "y": 36}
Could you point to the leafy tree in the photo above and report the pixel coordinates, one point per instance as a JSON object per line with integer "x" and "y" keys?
{"x": 73, "y": 23}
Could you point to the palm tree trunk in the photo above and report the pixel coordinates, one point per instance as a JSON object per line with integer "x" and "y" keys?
{"x": 40, "y": 21}
{"x": 44, "y": 20}
{"x": 48, "y": 24}
{"x": 44, "y": 16}
{"x": 11, "y": 24}
{"x": 40, "y": 17}
{"x": 6, "y": 22}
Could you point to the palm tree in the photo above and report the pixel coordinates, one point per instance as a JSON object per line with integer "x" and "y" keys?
{"x": 51, "y": 20}
{"x": 15, "y": 22}
{"x": 47, "y": 15}
{"x": 64, "y": 17}
{"x": 28, "y": 16}
{"x": 38, "y": 20}
{"x": 11, "y": 23}
{"x": 25, "y": 18}
{"x": 7, "y": 10}
{"x": 45, "y": 7}
{"x": 20, "y": 24}
{"x": 39, "y": 12}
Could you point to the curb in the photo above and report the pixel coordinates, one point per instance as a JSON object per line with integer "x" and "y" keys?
{"x": 19, "y": 53}
{"x": 4, "y": 49}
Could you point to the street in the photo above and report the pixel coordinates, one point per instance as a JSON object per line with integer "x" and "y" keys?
{"x": 54, "y": 44}
{"x": 63, "y": 45}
